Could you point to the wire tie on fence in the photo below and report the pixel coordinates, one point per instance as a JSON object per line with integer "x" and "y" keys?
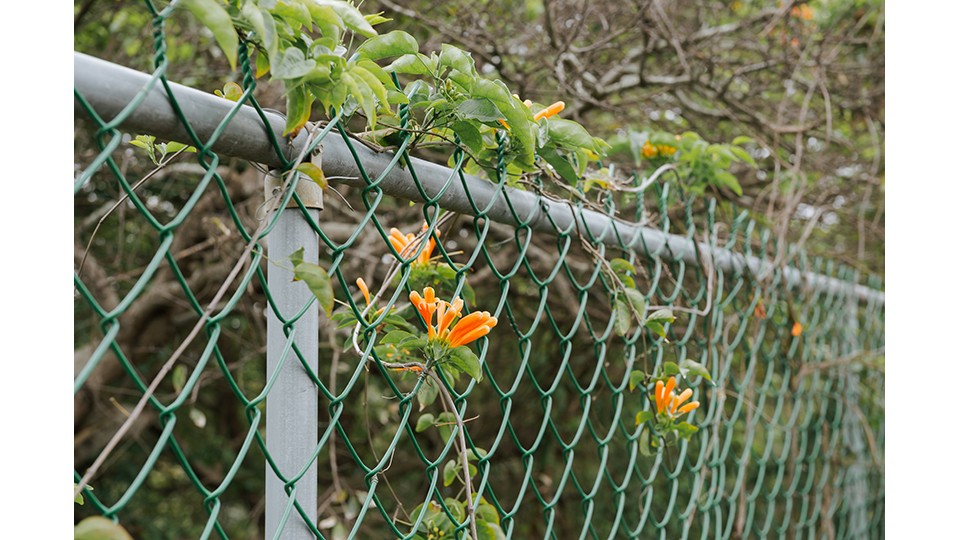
{"x": 276, "y": 191}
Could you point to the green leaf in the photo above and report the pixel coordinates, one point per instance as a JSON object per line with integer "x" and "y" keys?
{"x": 644, "y": 443}
{"x": 445, "y": 424}
{"x": 469, "y": 135}
{"x": 265, "y": 27}
{"x": 414, "y": 64}
{"x": 231, "y": 91}
{"x": 214, "y": 17}
{"x": 657, "y": 328}
{"x": 456, "y": 509}
{"x": 636, "y": 299}
{"x": 294, "y": 11}
{"x": 299, "y": 103}
{"x": 296, "y": 257}
{"x": 327, "y": 20}
{"x": 476, "y": 454}
{"x": 263, "y": 65}
{"x": 487, "y": 512}
{"x": 314, "y": 173}
{"x": 569, "y": 134}
{"x": 428, "y": 394}
{"x": 319, "y": 282}
{"x": 729, "y": 180}
{"x": 350, "y": 16}
{"x": 463, "y": 359}
{"x": 622, "y": 266}
{"x": 425, "y": 421}
{"x": 644, "y": 416}
{"x": 743, "y": 139}
{"x": 560, "y": 164}
{"x": 480, "y": 109}
{"x": 487, "y": 531}
{"x": 636, "y": 377}
{"x": 79, "y": 498}
{"x": 146, "y": 145}
{"x": 743, "y": 154}
{"x": 670, "y": 369}
{"x": 395, "y": 43}
{"x": 685, "y": 430}
{"x": 622, "y": 324}
{"x": 176, "y": 147}
{"x": 292, "y": 64}
{"x": 457, "y": 59}
{"x": 99, "y": 528}
{"x": 376, "y": 18}
{"x": 661, "y": 316}
{"x": 179, "y": 377}
{"x": 689, "y": 366}
{"x": 375, "y": 85}
{"x": 397, "y": 337}
{"x": 359, "y": 90}
{"x": 464, "y": 80}
{"x": 450, "y": 470}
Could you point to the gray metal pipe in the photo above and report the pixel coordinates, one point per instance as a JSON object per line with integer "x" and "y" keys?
{"x": 109, "y": 88}
{"x": 291, "y": 416}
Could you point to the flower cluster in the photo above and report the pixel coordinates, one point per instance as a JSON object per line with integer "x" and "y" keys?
{"x": 401, "y": 242}
{"x": 470, "y": 328}
{"x": 804, "y": 12}
{"x": 668, "y": 403}
{"x": 651, "y": 151}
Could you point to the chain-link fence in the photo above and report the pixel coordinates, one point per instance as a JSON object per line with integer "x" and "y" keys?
{"x": 324, "y": 442}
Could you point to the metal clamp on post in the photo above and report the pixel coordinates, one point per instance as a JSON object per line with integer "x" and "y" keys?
{"x": 310, "y": 193}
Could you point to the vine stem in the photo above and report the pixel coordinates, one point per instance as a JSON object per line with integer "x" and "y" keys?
{"x": 448, "y": 401}
{"x": 463, "y": 451}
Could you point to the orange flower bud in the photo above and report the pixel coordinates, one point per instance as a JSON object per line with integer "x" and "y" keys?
{"x": 363, "y": 288}
{"x": 658, "y": 395}
{"x": 685, "y": 395}
{"x": 549, "y": 111}
{"x": 688, "y": 407}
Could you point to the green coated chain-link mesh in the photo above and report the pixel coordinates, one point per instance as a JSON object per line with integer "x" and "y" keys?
{"x": 791, "y": 439}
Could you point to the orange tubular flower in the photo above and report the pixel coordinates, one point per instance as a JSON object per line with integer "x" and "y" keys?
{"x": 667, "y": 396}
{"x": 658, "y": 395}
{"x": 685, "y": 395}
{"x": 363, "y": 288}
{"x": 470, "y": 328}
{"x": 549, "y": 111}
{"x": 688, "y": 407}
{"x": 668, "y": 402}
{"x": 401, "y": 243}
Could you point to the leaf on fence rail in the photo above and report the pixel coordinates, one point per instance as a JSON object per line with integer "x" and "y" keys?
{"x": 394, "y": 43}
{"x": 218, "y": 21}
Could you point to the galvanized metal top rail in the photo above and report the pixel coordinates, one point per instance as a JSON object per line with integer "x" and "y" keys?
{"x": 109, "y": 88}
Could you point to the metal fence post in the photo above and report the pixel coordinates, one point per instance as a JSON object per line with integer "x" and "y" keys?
{"x": 291, "y": 415}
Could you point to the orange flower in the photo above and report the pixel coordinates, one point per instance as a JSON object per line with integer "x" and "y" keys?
{"x": 549, "y": 111}
{"x": 471, "y": 328}
{"x": 401, "y": 243}
{"x": 648, "y": 150}
{"x": 666, "y": 150}
{"x": 363, "y": 288}
{"x": 468, "y": 329}
{"x": 796, "y": 330}
{"x": 667, "y": 401}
